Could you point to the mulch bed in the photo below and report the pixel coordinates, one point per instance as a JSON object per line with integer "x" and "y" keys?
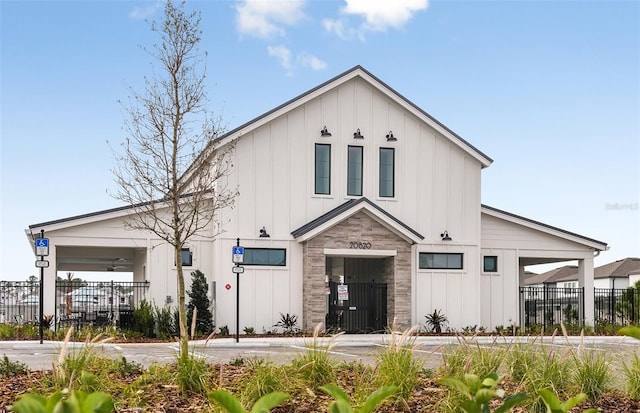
{"x": 168, "y": 398}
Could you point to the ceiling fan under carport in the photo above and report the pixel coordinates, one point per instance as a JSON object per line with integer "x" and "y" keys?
{"x": 114, "y": 266}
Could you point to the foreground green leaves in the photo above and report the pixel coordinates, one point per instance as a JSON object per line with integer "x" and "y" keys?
{"x": 77, "y": 402}
{"x": 554, "y": 405}
{"x": 478, "y": 392}
{"x": 264, "y": 404}
{"x": 342, "y": 403}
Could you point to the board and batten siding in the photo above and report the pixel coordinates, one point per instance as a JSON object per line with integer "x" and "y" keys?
{"x": 500, "y": 290}
{"x": 437, "y": 188}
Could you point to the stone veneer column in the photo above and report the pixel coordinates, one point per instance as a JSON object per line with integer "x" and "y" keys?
{"x": 397, "y": 271}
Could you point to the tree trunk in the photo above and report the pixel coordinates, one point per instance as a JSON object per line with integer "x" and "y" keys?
{"x": 184, "y": 337}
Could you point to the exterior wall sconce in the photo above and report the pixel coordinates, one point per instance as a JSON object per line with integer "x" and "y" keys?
{"x": 357, "y": 135}
{"x": 391, "y": 138}
{"x": 445, "y": 236}
{"x": 325, "y": 132}
{"x": 263, "y": 233}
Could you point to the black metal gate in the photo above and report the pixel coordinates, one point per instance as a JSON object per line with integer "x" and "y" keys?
{"x": 365, "y": 310}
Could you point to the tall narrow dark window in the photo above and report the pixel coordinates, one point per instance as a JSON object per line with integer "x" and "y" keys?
{"x": 323, "y": 169}
{"x": 354, "y": 171}
{"x": 387, "y": 186}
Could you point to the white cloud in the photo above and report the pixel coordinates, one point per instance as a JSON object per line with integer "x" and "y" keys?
{"x": 337, "y": 27}
{"x": 381, "y": 14}
{"x": 141, "y": 13}
{"x": 309, "y": 60}
{"x": 304, "y": 59}
{"x": 265, "y": 18}
{"x": 283, "y": 55}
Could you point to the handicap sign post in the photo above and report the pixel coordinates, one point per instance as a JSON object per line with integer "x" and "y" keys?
{"x": 238, "y": 258}
{"x": 42, "y": 249}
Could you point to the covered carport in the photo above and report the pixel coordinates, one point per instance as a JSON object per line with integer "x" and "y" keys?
{"x": 518, "y": 242}
{"x": 93, "y": 243}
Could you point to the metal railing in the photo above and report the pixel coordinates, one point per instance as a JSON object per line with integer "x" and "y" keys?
{"x": 617, "y": 306}
{"x": 82, "y": 303}
{"x": 548, "y": 306}
{"x": 19, "y": 302}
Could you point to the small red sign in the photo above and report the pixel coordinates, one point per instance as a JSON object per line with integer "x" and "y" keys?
{"x": 228, "y": 286}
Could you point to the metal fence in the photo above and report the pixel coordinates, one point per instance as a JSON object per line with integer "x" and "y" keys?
{"x": 19, "y": 302}
{"x": 617, "y": 306}
{"x": 548, "y": 306}
{"x": 82, "y": 303}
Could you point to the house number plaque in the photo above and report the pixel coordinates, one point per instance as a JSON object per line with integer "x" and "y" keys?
{"x": 360, "y": 245}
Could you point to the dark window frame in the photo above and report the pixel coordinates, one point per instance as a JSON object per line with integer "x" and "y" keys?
{"x": 360, "y": 184}
{"x": 248, "y": 251}
{"x": 495, "y": 263}
{"x": 315, "y": 174}
{"x": 187, "y": 259}
{"x": 393, "y": 174}
{"x": 447, "y": 267}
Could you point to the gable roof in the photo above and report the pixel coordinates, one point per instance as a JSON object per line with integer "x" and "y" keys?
{"x": 553, "y": 276}
{"x": 618, "y": 269}
{"x": 551, "y": 230}
{"x": 359, "y": 72}
{"x": 349, "y": 208}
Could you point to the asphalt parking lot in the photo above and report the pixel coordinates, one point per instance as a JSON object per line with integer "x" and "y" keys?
{"x": 362, "y": 348}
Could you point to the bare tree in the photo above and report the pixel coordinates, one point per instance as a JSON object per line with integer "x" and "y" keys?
{"x": 170, "y": 170}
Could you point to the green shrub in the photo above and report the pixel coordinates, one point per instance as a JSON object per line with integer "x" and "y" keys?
{"x": 591, "y": 374}
{"x": 397, "y": 365}
{"x": 632, "y": 377}
{"x": 315, "y": 365}
{"x": 143, "y": 320}
{"x": 199, "y": 300}
{"x": 191, "y": 374}
{"x": 264, "y": 378}
{"x": 166, "y": 323}
{"x": 10, "y": 368}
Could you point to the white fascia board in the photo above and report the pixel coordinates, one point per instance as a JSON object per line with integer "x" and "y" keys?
{"x": 543, "y": 228}
{"x": 373, "y": 213}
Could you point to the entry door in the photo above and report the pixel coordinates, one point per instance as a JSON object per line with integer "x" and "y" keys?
{"x": 365, "y": 311}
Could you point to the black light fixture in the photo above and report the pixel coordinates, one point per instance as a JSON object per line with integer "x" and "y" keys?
{"x": 263, "y": 233}
{"x": 325, "y": 132}
{"x": 445, "y": 236}
{"x": 357, "y": 135}
{"x": 391, "y": 138}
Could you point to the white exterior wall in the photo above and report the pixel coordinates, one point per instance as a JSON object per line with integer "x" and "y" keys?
{"x": 437, "y": 188}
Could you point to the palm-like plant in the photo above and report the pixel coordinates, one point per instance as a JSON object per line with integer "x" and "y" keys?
{"x": 436, "y": 321}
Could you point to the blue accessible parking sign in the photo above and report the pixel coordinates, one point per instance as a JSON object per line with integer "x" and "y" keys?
{"x": 42, "y": 246}
{"x": 238, "y": 255}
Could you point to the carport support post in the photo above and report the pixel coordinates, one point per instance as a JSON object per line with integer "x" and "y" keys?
{"x": 41, "y": 302}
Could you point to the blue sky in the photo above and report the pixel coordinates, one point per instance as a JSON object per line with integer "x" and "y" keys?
{"x": 549, "y": 89}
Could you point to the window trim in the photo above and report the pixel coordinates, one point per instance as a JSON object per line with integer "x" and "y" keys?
{"x": 315, "y": 171}
{"x": 460, "y": 254}
{"x": 495, "y": 263}
{"x": 393, "y": 172}
{"x": 361, "y": 186}
{"x": 284, "y": 263}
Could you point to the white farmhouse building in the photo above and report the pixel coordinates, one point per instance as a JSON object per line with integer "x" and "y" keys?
{"x": 349, "y": 184}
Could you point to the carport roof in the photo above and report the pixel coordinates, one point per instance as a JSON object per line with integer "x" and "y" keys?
{"x": 572, "y": 236}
